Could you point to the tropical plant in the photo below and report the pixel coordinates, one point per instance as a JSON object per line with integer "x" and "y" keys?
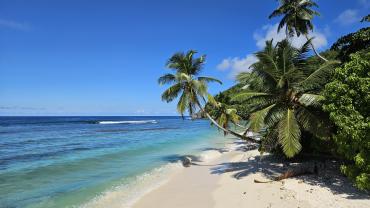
{"x": 352, "y": 43}
{"x": 297, "y": 17}
{"x": 347, "y": 99}
{"x": 225, "y": 97}
{"x": 225, "y": 115}
{"x": 366, "y": 18}
{"x": 284, "y": 94}
{"x": 191, "y": 88}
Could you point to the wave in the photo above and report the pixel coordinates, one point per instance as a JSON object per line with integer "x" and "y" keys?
{"x": 128, "y": 122}
{"x": 132, "y": 189}
{"x": 133, "y": 130}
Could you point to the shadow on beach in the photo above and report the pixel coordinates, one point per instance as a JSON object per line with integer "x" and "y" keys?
{"x": 270, "y": 166}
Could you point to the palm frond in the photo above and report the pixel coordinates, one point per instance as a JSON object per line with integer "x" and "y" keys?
{"x": 274, "y": 115}
{"x": 310, "y": 99}
{"x": 199, "y": 87}
{"x": 243, "y": 96}
{"x": 312, "y": 123}
{"x": 181, "y": 77}
{"x": 212, "y": 100}
{"x": 257, "y": 118}
{"x": 166, "y": 79}
{"x": 209, "y": 79}
{"x": 289, "y": 134}
{"x": 318, "y": 77}
{"x": 171, "y": 93}
{"x": 182, "y": 104}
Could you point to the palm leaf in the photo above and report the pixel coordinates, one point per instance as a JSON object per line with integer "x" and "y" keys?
{"x": 166, "y": 79}
{"x": 318, "y": 77}
{"x": 172, "y": 92}
{"x": 209, "y": 79}
{"x": 257, "y": 118}
{"x": 243, "y": 96}
{"x": 289, "y": 134}
{"x": 274, "y": 115}
{"x": 312, "y": 123}
{"x": 310, "y": 99}
{"x": 182, "y": 104}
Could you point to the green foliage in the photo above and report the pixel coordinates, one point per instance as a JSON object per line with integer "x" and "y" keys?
{"x": 225, "y": 97}
{"x": 282, "y": 92}
{"x": 352, "y": 43}
{"x": 191, "y": 89}
{"x": 366, "y": 18}
{"x": 297, "y": 16}
{"x": 224, "y": 115}
{"x": 347, "y": 99}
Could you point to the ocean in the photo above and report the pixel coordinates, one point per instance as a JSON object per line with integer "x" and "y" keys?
{"x": 86, "y": 161}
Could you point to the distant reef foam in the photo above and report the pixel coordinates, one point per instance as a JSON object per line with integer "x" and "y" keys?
{"x": 128, "y": 122}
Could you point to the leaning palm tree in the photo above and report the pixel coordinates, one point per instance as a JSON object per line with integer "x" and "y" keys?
{"x": 283, "y": 91}
{"x": 191, "y": 88}
{"x": 226, "y": 116}
{"x": 297, "y": 17}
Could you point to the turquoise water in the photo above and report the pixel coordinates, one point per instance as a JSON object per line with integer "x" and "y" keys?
{"x": 69, "y": 161}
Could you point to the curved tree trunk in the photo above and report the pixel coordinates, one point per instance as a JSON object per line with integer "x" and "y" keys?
{"x": 226, "y": 130}
{"x": 314, "y": 50}
{"x": 303, "y": 169}
{"x": 243, "y": 127}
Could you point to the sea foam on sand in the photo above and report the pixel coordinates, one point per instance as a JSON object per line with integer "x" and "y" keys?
{"x": 126, "y": 195}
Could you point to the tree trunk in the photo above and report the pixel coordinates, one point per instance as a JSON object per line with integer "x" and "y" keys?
{"x": 226, "y": 130}
{"x": 243, "y": 127}
{"x": 314, "y": 50}
{"x": 302, "y": 169}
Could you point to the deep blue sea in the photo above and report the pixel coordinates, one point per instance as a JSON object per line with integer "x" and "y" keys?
{"x": 77, "y": 161}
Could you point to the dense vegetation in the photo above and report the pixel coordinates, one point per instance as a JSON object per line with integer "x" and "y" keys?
{"x": 283, "y": 93}
{"x": 300, "y": 103}
{"x": 347, "y": 99}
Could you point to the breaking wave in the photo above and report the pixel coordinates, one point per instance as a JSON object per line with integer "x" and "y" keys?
{"x": 128, "y": 122}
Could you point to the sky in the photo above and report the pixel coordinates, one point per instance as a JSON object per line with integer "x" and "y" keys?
{"x": 81, "y": 57}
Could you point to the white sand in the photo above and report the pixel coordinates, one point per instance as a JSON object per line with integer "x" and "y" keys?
{"x": 227, "y": 182}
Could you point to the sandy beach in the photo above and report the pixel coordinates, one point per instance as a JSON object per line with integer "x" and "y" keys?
{"x": 226, "y": 179}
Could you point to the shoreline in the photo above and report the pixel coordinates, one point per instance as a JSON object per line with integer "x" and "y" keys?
{"x": 227, "y": 181}
{"x": 128, "y": 194}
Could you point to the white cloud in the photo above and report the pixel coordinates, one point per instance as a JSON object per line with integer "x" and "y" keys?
{"x": 13, "y": 25}
{"x": 348, "y": 17}
{"x": 237, "y": 64}
{"x": 269, "y": 32}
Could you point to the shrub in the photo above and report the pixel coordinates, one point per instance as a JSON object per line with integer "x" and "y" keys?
{"x": 347, "y": 100}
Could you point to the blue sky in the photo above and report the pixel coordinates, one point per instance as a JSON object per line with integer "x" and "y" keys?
{"x": 80, "y": 57}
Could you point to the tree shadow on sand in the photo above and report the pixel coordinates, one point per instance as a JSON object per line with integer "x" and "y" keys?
{"x": 271, "y": 166}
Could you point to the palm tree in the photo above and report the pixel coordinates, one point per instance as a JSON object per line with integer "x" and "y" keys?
{"x": 191, "y": 88}
{"x": 225, "y": 115}
{"x": 297, "y": 18}
{"x": 284, "y": 93}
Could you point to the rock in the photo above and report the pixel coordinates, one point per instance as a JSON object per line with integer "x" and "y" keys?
{"x": 186, "y": 161}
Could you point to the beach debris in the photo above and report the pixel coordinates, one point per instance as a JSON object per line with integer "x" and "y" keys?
{"x": 302, "y": 169}
{"x": 186, "y": 161}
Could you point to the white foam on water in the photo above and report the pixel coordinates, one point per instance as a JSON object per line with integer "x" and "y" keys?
{"x": 209, "y": 155}
{"x": 128, "y": 122}
{"x": 125, "y": 195}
